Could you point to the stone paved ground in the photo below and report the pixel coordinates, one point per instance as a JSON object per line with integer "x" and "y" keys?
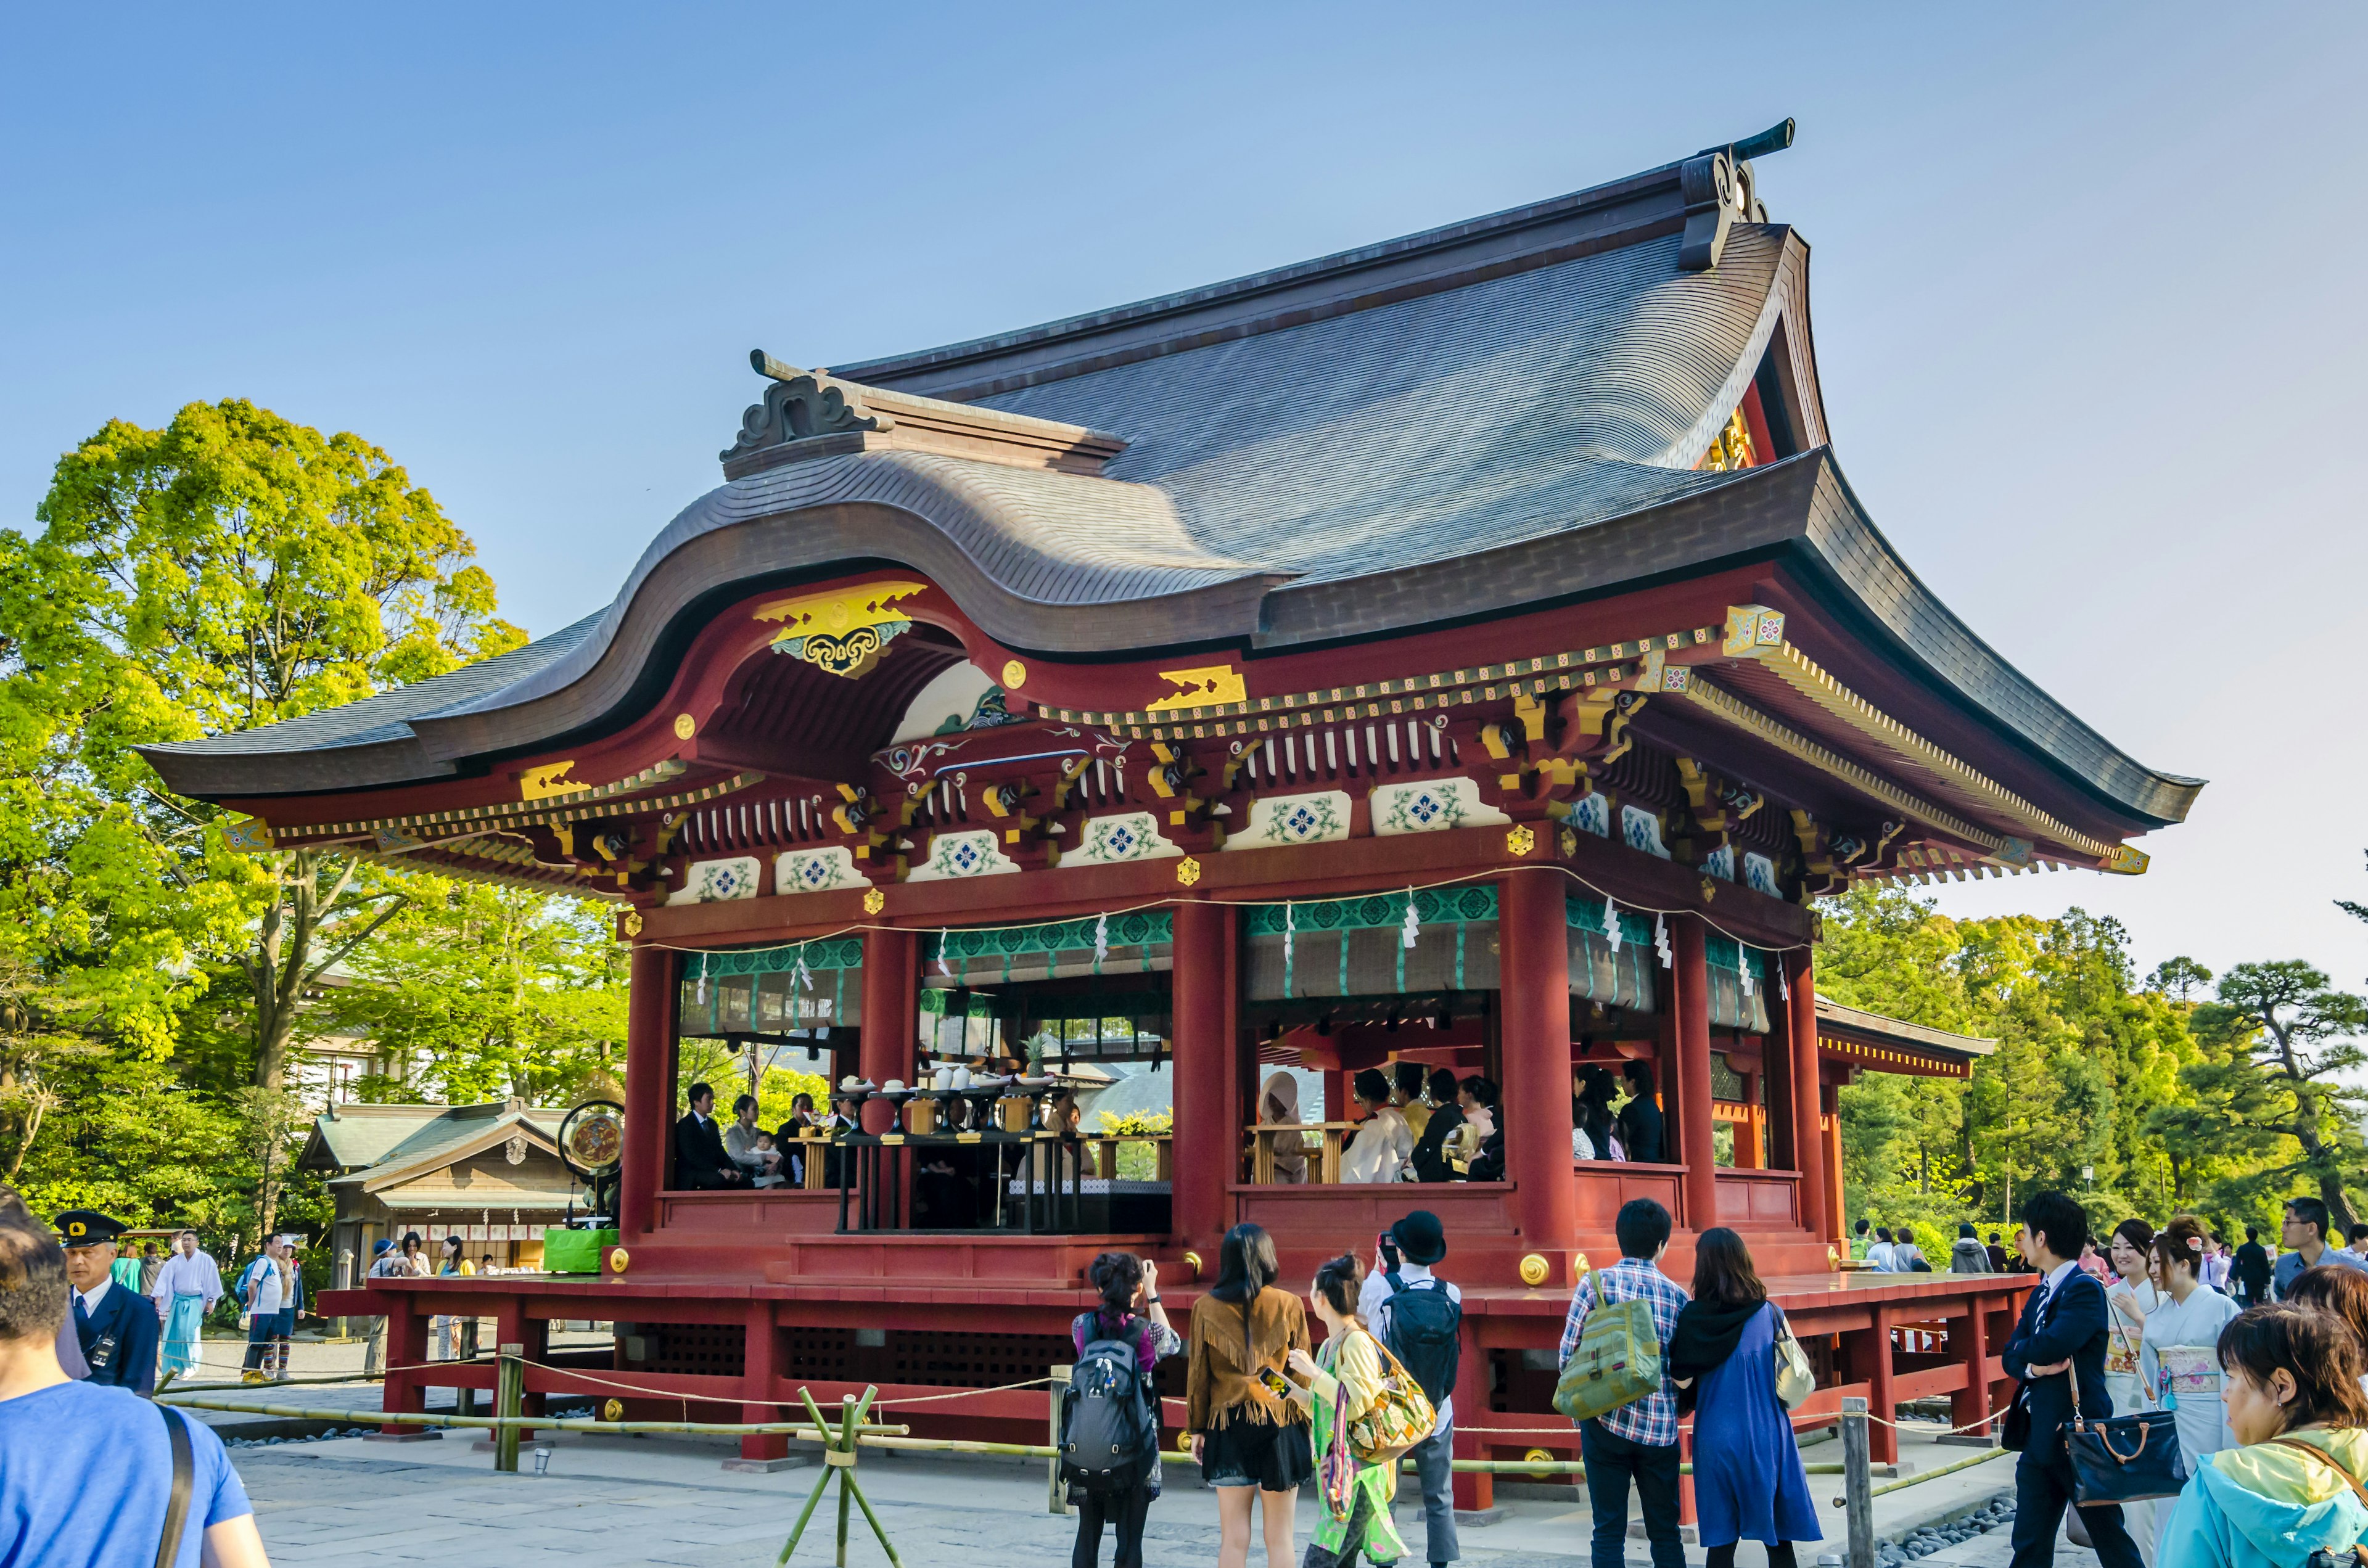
{"x": 348, "y": 1504}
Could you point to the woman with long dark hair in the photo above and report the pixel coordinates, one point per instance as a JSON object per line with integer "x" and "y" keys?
{"x": 1748, "y": 1483}
{"x": 2291, "y": 1389}
{"x": 1130, "y": 1310}
{"x": 1251, "y": 1442}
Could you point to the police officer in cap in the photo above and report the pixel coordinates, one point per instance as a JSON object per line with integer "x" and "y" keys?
{"x": 117, "y": 1329}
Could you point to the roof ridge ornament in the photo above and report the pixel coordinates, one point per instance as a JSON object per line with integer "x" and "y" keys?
{"x": 799, "y": 404}
{"x": 1718, "y": 188}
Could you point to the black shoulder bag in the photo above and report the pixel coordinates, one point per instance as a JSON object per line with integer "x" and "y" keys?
{"x": 176, "y": 1506}
{"x": 2123, "y": 1458}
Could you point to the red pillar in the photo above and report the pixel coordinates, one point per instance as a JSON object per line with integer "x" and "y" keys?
{"x": 1830, "y": 1107}
{"x": 1472, "y": 1489}
{"x": 649, "y": 1089}
{"x": 891, "y": 973}
{"x": 1883, "y": 1437}
{"x": 1807, "y": 1131}
{"x": 1969, "y": 1338}
{"x": 1534, "y": 940}
{"x": 407, "y": 1346}
{"x": 761, "y": 1364}
{"x": 1690, "y": 999}
{"x": 1205, "y": 1131}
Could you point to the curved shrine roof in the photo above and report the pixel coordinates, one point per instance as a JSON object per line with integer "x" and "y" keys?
{"x": 1502, "y": 414}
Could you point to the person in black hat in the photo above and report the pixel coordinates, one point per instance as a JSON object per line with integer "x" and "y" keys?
{"x": 115, "y": 1328}
{"x": 1420, "y": 1317}
{"x": 118, "y": 1331}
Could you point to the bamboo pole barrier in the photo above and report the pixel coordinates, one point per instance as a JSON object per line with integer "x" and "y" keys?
{"x": 801, "y": 1431}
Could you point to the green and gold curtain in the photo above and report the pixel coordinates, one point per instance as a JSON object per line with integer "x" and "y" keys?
{"x": 792, "y": 987}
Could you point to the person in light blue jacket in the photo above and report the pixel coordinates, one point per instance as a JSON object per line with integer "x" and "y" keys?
{"x": 2291, "y": 1380}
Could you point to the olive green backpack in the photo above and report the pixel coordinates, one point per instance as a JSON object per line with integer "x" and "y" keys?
{"x": 1617, "y": 1360}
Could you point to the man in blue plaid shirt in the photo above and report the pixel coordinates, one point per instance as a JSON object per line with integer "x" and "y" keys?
{"x": 1637, "y": 1440}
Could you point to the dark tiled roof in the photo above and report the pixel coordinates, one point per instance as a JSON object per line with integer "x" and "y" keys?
{"x": 1470, "y": 421}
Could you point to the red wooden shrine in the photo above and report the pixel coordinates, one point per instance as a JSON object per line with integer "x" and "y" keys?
{"x": 1464, "y": 650}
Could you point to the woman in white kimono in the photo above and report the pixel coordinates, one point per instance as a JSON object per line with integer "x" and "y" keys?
{"x": 1384, "y": 1146}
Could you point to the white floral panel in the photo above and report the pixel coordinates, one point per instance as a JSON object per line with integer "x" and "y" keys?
{"x": 717, "y": 882}
{"x": 1640, "y": 829}
{"x": 1759, "y": 875}
{"x": 1431, "y": 804}
{"x": 1720, "y": 863}
{"x": 1591, "y": 814}
{"x": 817, "y": 870}
{"x": 1293, "y": 819}
{"x": 952, "y": 854}
{"x": 1110, "y": 841}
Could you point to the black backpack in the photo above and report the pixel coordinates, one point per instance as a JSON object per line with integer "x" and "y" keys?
{"x": 1109, "y": 1442}
{"x": 1425, "y": 1324}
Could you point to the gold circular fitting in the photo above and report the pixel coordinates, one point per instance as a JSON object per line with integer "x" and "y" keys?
{"x": 874, "y": 901}
{"x": 614, "y": 1410}
{"x": 684, "y": 726}
{"x": 1015, "y": 675}
{"x": 618, "y": 1260}
{"x": 1536, "y": 1270}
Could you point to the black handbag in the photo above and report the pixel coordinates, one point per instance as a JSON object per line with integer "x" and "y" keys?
{"x": 2124, "y": 1459}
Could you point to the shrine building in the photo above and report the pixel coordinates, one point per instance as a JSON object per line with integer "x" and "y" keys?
{"x": 1465, "y": 649}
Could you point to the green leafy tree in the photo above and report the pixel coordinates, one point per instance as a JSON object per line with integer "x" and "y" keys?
{"x": 230, "y": 570}
{"x": 2179, "y": 977}
{"x": 492, "y": 991}
{"x": 2287, "y": 1040}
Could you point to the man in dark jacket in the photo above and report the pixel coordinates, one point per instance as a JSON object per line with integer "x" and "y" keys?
{"x": 2248, "y": 1273}
{"x": 1446, "y": 1116}
{"x": 699, "y": 1161}
{"x": 2061, "y": 1337}
{"x": 1640, "y": 1120}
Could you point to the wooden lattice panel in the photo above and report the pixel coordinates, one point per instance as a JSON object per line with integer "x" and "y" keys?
{"x": 697, "y": 1349}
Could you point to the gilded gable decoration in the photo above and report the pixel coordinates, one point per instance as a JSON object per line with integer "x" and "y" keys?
{"x": 843, "y": 631}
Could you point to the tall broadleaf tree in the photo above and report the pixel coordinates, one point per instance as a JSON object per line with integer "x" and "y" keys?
{"x": 230, "y": 570}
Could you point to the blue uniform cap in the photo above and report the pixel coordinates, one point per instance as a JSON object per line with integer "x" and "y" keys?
{"x": 88, "y": 1227}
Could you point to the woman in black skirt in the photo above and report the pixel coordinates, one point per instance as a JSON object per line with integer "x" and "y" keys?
{"x": 1251, "y": 1442}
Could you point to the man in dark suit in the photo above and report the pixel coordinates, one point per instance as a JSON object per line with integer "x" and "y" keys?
{"x": 1446, "y": 1116}
{"x": 2249, "y": 1275}
{"x": 699, "y": 1161}
{"x": 116, "y": 1330}
{"x": 2060, "y": 1338}
{"x": 1641, "y": 1128}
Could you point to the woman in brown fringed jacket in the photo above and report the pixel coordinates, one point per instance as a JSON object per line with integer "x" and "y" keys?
{"x": 1249, "y": 1440}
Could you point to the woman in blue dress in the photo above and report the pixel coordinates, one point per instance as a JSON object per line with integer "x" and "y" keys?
{"x": 1749, "y": 1483}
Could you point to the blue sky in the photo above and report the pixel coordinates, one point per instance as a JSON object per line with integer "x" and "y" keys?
{"x": 2082, "y": 283}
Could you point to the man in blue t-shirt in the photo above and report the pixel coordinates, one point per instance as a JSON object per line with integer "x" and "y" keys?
{"x": 2304, "y": 1236}
{"x": 86, "y": 1470}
